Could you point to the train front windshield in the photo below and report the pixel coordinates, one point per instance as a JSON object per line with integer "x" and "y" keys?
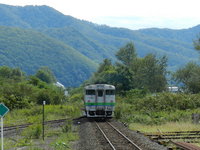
{"x": 100, "y": 92}
{"x": 90, "y": 92}
{"x": 110, "y": 92}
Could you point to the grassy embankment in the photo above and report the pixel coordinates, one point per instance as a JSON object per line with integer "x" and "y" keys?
{"x": 56, "y": 138}
{"x": 169, "y": 126}
{"x": 148, "y": 112}
{"x": 160, "y": 112}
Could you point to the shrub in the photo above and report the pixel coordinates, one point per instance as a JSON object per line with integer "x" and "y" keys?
{"x": 76, "y": 97}
{"x": 68, "y": 126}
{"x": 118, "y": 113}
{"x": 33, "y": 131}
{"x": 43, "y": 96}
{"x": 167, "y": 102}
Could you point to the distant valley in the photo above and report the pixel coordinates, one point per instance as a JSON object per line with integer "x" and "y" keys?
{"x": 35, "y": 36}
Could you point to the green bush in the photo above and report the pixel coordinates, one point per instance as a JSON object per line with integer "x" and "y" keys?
{"x": 19, "y": 91}
{"x": 76, "y": 97}
{"x": 166, "y": 102}
{"x": 118, "y": 113}
{"x": 43, "y": 96}
{"x": 136, "y": 93}
{"x": 156, "y": 108}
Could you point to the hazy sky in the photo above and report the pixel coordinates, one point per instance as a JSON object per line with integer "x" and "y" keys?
{"x": 133, "y": 14}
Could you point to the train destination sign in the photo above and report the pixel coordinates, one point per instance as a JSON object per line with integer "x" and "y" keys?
{"x": 3, "y": 110}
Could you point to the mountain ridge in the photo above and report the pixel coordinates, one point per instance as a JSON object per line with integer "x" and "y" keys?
{"x": 96, "y": 42}
{"x": 29, "y": 50}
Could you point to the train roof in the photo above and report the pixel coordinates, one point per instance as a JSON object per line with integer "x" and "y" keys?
{"x": 100, "y": 86}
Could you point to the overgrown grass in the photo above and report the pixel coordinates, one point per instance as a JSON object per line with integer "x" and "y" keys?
{"x": 65, "y": 136}
{"x": 31, "y": 136}
{"x": 63, "y": 141}
{"x": 34, "y": 114}
{"x": 167, "y": 127}
{"x": 157, "y": 109}
{"x": 59, "y": 141}
{"x": 32, "y": 132}
{"x": 126, "y": 113}
{"x": 161, "y": 112}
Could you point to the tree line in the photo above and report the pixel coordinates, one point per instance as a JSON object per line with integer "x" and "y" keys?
{"x": 132, "y": 72}
{"x": 148, "y": 73}
{"x": 18, "y": 90}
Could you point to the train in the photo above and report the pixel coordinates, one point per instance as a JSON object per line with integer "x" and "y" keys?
{"x": 99, "y": 100}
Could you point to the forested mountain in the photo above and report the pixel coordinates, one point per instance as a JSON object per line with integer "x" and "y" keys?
{"x": 78, "y": 45}
{"x": 29, "y": 50}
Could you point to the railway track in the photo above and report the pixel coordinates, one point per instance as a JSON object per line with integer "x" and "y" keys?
{"x": 22, "y": 126}
{"x": 186, "y": 146}
{"x": 190, "y": 136}
{"x": 182, "y": 139}
{"x": 114, "y": 139}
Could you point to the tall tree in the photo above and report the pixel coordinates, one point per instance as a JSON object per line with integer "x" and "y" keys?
{"x": 106, "y": 65}
{"x": 189, "y": 76}
{"x": 14, "y": 73}
{"x": 104, "y": 73}
{"x": 132, "y": 72}
{"x": 154, "y": 73}
{"x": 46, "y": 75}
{"x": 127, "y": 54}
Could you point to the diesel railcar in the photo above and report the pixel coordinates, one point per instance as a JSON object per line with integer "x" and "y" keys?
{"x": 99, "y": 100}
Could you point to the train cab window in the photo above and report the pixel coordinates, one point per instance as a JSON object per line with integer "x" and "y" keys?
{"x": 90, "y": 92}
{"x": 100, "y": 93}
{"x": 110, "y": 92}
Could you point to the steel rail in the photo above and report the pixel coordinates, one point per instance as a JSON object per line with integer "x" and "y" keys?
{"x": 111, "y": 145}
{"x": 163, "y": 135}
{"x": 170, "y": 133}
{"x": 135, "y": 145}
{"x": 174, "y": 137}
{"x": 178, "y": 135}
{"x": 186, "y": 146}
{"x": 8, "y": 128}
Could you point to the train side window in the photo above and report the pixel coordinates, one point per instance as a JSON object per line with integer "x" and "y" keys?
{"x": 100, "y": 93}
{"x": 110, "y": 92}
{"x": 90, "y": 92}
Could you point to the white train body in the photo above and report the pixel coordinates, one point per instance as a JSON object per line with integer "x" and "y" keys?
{"x": 99, "y": 100}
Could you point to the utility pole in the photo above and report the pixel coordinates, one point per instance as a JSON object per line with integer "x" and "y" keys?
{"x": 44, "y": 102}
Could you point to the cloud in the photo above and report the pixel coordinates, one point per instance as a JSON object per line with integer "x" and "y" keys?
{"x": 147, "y": 22}
{"x": 121, "y": 13}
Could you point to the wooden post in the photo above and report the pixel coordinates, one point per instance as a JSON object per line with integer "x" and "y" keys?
{"x": 1, "y": 133}
{"x": 43, "y": 120}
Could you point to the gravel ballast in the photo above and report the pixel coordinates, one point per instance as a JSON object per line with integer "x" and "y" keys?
{"x": 87, "y": 140}
{"x": 91, "y": 140}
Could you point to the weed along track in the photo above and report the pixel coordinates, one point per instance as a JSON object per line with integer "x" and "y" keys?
{"x": 116, "y": 139}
